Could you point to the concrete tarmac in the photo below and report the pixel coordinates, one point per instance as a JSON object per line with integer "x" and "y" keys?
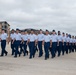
{"x": 63, "y": 65}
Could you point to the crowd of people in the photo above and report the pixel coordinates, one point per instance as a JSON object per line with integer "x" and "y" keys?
{"x": 54, "y": 43}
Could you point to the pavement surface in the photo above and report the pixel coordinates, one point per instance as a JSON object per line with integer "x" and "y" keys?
{"x": 64, "y": 65}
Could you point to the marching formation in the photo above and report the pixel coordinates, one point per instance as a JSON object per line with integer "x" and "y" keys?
{"x": 45, "y": 43}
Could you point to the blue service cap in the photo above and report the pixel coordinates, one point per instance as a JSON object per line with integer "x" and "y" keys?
{"x": 53, "y": 30}
{"x": 17, "y": 29}
{"x": 47, "y": 30}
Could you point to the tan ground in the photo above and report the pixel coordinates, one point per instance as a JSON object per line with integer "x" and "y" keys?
{"x": 64, "y": 65}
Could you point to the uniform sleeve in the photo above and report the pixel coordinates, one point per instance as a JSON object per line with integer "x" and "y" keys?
{"x": 69, "y": 39}
{"x": 75, "y": 40}
{"x": 35, "y": 36}
{"x": 50, "y": 37}
{"x": 20, "y": 35}
{"x": 14, "y": 36}
{"x": 38, "y": 36}
{"x": 11, "y": 36}
{"x": 57, "y": 37}
{"x": 62, "y": 38}
{"x": 43, "y": 37}
{"x": 28, "y": 36}
{"x": 66, "y": 39}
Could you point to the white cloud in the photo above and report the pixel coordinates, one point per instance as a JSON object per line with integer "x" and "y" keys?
{"x": 7, "y": 1}
{"x": 45, "y": 14}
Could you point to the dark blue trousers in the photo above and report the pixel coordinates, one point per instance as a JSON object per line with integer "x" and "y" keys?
{"x": 67, "y": 48}
{"x": 46, "y": 48}
{"x": 25, "y": 47}
{"x": 40, "y": 48}
{"x": 53, "y": 50}
{"x": 17, "y": 44}
{"x": 13, "y": 47}
{"x": 75, "y": 47}
{"x": 32, "y": 49}
{"x": 63, "y": 48}
{"x": 29, "y": 46}
{"x": 21, "y": 48}
{"x": 70, "y": 47}
{"x": 59, "y": 48}
{"x": 3, "y": 46}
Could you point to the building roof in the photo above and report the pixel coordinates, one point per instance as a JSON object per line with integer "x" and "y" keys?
{"x": 4, "y": 22}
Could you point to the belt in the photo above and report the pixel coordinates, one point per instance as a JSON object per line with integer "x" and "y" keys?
{"x": 17, "y": 40}
{"x": 47, "y": 42}
{"x": 25, "y": 40}
{"x": 60, "y": 41}
{"x": 31, "y": 41}
{"x": 39, "y": 41}
{"x": 54, "y": 42}
{"x": 3, "y": 40}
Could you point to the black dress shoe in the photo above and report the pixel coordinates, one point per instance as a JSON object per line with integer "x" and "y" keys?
{"x": 15, "y": 56}
{"x": 24, "y": 55}
{"x": 12, "y": 54}
{"x": 30, "y": 57}
{"x": 27, "y": 52}
{"x": 19, "y": 54}
{"x": 52, "y": 57}
{"x": 1, "y": 55}
{"x": 45, "y": 58}
{"x": 39, "y": 56}
{"x": 33, "y": 56}
{"x": 6, "y": 54}
{"x": 58, "y": 55}
{"x": 48, "y": 57}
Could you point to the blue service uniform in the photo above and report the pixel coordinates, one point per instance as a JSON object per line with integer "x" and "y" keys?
{"x": 70, "y": 45}
{"x": 21, "y": 45}
{"x": 28, "y": 43}
{"x": 24, "y": 43}
{"x": 54, "y": 45}
{"x": 59, "y": 37}
{"x": 36, "y": 45}
{"x": 63, "y": 44}
{"x": 17, "y": 43}
{"x": 12, "y": 36}
{"x": 32, "y": 38}
{"x": 3, "y": 38}
{"x": 73, "y": 45}
{"x": 67, "y": 44}
{"x": 40, "y": 40}
{"x": 47, "y": 39}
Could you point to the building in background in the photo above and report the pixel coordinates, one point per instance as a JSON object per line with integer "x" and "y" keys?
{"x": 4, "y": 25}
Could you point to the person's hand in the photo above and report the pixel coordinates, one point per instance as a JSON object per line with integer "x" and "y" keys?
{"x": 8, "y": 42}
{"x": 0, "y": 39}
{"x": 50, "y": 46}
